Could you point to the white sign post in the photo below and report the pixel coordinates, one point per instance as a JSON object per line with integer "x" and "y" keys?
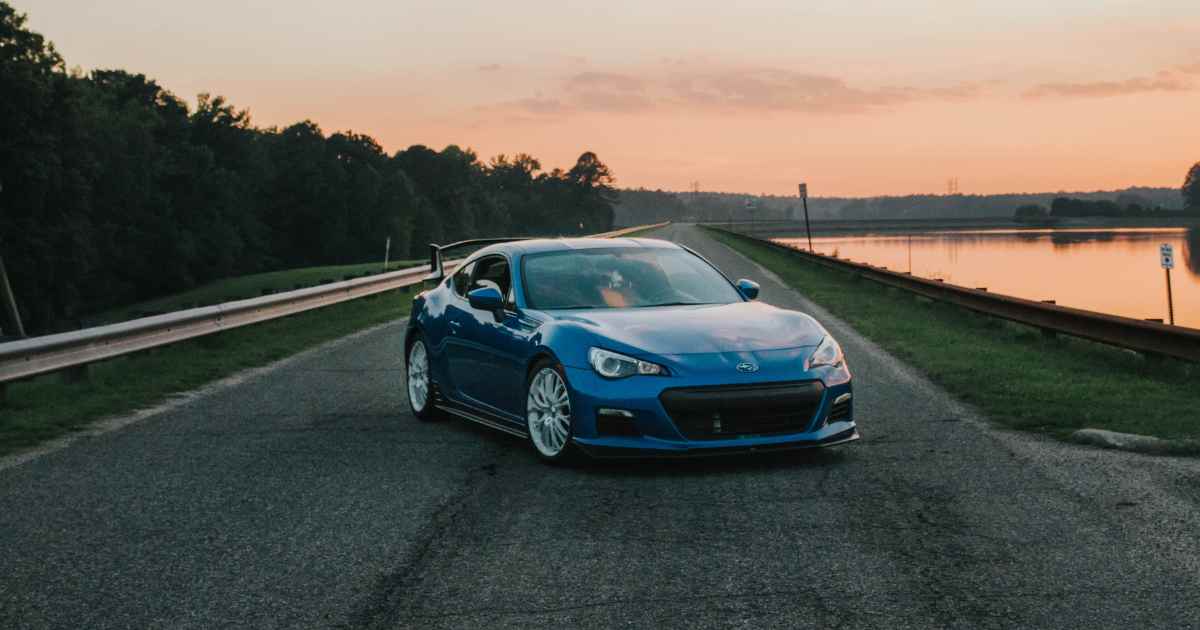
{"x": 1167, "y": 255}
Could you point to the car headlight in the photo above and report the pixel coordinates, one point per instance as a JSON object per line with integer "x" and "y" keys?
{"x": 828, "y": 353}
{"x": 613, "y": 365}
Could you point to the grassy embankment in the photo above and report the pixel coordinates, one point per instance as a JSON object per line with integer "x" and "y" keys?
{"x": 1011, "y": 372}
{"x": 47, "y": 407}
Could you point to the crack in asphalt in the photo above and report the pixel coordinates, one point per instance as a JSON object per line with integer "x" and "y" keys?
{"x": 381, "y": 608}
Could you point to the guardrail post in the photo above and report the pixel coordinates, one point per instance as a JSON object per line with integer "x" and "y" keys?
{"x": 1049, "y": 333}
{"x": 77, "y": 374}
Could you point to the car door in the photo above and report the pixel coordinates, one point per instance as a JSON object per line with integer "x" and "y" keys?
{"x": 496, "y": 343}
{"x": 457, "y": 348}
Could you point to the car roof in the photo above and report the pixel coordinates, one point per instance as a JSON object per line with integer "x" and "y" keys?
{"x": 541, "y": 245}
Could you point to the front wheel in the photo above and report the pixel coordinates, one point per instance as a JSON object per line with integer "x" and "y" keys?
{"x": 417, "y": 377}
{"x": 548, "y": 412}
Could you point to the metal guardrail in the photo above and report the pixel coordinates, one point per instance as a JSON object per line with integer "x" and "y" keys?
{"x": 1124, "y": 332}
{"x": 53, "y": 353}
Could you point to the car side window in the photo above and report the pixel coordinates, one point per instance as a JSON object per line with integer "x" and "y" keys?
{"x": 462, "y": 279}
{"x": 493, "y": 271}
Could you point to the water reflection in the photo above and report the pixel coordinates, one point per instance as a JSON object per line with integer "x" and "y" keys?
{"x": 1108, "y": 270}
{"x": 1191, "y": 250}
{"x": 1068, "y": 239}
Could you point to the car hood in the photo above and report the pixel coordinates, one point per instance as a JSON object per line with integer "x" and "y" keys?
{"x": 736, "y": 327}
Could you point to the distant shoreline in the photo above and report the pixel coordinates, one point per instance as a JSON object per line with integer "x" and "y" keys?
{"x": 823, "y": 228}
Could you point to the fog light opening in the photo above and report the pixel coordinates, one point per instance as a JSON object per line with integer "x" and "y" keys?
{"x": 839, "y": 411}
{"x": 616, "y": 423}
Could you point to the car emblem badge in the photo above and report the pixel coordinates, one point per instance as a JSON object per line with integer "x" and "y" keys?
{"x": 746, "y": 366}
{"x": 716, "y": 427}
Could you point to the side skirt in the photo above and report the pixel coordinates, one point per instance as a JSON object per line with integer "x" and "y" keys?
{"x": 479, "y": 419}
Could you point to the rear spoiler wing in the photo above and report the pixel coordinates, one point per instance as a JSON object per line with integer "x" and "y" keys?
{"x": 436, "y": 271}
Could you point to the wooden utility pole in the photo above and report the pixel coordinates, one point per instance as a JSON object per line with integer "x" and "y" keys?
{"x": 7, "y": 301}
{"x": 10, "y": 303}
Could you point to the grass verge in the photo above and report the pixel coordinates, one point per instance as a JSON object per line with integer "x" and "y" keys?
{"x": 1011, "y": 372}
{"x": 46, "y": 407}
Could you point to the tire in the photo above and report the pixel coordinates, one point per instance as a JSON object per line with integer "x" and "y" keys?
{"x": 419, "y": 383}
{"x": 548, "y": 415}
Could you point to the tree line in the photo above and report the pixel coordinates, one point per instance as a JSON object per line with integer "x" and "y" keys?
{"x": 1128, "y": 205}
{"x": 114, "y": 190}
{"x": 645, "y": 206}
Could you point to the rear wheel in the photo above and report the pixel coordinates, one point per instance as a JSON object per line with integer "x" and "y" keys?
{"x": 417, "y": 377}
{"x": 548, "y": 412}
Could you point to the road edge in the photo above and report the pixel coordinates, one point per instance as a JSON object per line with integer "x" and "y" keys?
{"x": 1133, "y": 443}
{"x": 108, "y": 424}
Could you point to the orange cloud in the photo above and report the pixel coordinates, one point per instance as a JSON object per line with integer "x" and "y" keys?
{"x": 1162, "y": 82}
{"x": 607, "y": 92}
{"x": 785, "y": 90}
{"x": 723, "y": 89}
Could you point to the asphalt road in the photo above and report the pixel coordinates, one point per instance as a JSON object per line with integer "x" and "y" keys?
{"x": 307, "y": 496}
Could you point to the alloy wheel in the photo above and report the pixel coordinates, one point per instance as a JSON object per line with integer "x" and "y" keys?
{"x": 548, "y": 412}
{"x": 418, "y": 376}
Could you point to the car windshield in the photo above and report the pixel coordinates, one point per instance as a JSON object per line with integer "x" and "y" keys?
{"x": 623, "y": 278}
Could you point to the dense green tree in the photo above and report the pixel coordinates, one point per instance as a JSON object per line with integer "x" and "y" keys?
{"x": 40, "y": 219}
{"x": 1071, "y": 207}
{"x": 514, "y": 191}
{"x": 593, "y": 193}
{"x": 1030, "y": 213}
{"x": 115, "y": 190}
{"x": 1191, "y": 188}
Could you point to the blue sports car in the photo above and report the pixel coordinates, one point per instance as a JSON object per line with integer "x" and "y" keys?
{"x": 621, "y": 347}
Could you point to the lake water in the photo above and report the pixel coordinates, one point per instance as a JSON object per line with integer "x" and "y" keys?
{"x": 1108, "y": 270}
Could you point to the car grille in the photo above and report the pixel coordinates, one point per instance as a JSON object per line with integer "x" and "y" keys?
{"x": 715, "y": 413}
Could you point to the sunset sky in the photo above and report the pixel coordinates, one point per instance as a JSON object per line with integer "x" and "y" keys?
{"x": 858, "y": 98}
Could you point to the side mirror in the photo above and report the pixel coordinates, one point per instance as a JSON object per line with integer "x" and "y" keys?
{"x": 748, "y": 288}
{"x": 486, "y": 299}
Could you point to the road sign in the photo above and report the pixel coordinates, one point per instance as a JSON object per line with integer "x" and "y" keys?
{"x": 1168, "y": 256}
{"x": 804, "y": 191}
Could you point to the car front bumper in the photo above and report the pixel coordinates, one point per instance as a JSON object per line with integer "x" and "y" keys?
{"x": 656, "y": 432}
